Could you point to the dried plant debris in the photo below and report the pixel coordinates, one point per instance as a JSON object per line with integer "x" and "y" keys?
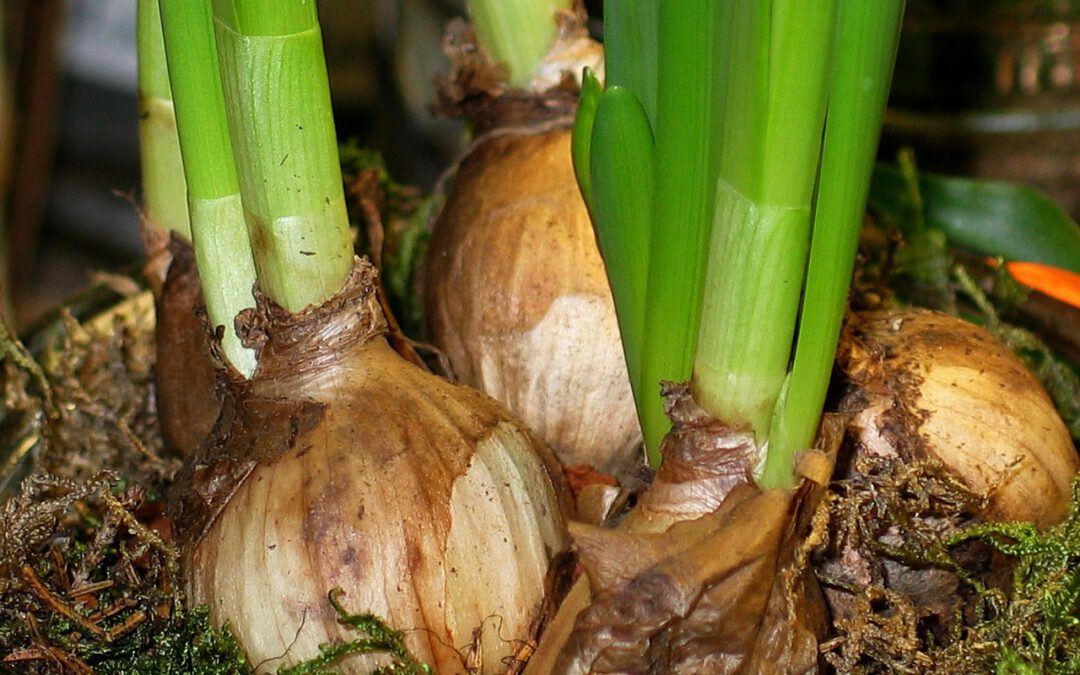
{"x": 393, "y": 231}
{"x": 98, "y": 405}
{"x": 89, "y": 583}
{"x": 916, "y": 585}
{"x": 103, "y": 386}
{"x": 709, "y": 573}
{"x": 888, "y": 575}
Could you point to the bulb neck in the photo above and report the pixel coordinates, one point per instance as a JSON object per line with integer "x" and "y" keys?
{"x": 296, "y": 347}
{"x": 475, "y": 88}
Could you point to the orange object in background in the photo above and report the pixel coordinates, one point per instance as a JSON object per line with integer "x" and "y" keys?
{"x": 1056, "y": 282}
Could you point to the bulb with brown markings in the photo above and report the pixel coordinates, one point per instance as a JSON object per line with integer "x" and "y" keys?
{"x": 516, "y": 293}
{"x": 518, "y": 298}
{"x": 339, "y": 465}
{"x": 931, "y": 386}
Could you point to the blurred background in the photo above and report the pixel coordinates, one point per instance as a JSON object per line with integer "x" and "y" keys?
{"x": 983, "y": 87}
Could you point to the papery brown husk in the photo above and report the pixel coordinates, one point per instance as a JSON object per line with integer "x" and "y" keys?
{"x": 709, "y": 574}
{"x": 188, "y": 398}
{"x": 475, "y": 87}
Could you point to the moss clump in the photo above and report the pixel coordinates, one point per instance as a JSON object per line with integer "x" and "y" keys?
{"x": 89, "y": 582}
{"x": 1038, "y": 629}
{"x": 375, "y": 637}
{"x": 917, "y": 585}
{"x": 895, "y": 589}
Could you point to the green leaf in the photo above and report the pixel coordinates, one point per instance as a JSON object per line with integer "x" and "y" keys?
{"x": 164, "y": 193}
{"x": 684, "y": 168}
{"x": 630, "y": 46}
{"x": 591, "y": 91}
{"x": 867, "y": 36}
{"x": 621, "y": 175}
{"x": 991, "y": 218}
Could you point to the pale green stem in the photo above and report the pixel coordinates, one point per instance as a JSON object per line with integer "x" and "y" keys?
{"x": 752, "y": 290}
{"x": 774, "y": 115}
{"x": 285, "y": 147}
{"x": 164, "y": 191}
{"x": 219, "y": 230}
{"x": 516, "y": 33}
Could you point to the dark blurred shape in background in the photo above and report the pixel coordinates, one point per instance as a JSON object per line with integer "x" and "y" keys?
{"x": 991, "y": 88}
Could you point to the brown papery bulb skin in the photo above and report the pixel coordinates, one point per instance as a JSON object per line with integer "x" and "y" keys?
{"x": 424, "y": 501}
{"x": 517, "y": 298}
{"x": 188, "y": 400}
{"x": 936, "y": 387}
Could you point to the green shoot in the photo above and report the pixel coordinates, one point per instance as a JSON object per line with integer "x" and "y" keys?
{"x": 641, "y": 163}
{"x": 623, "y": 199}
{"x": 591, "y": 92}
{"x": 218, "y": 227}
{"x": 685, "y": 150}
{"x": 860, "y": 84}
{"x": 516, "y": 34}
{"x": 630, "y": 28}
{"x": 164, "y": 192}
{"x": 764, "y": 127}
{"x": 773, "y": 118}
{"x": 282, "y": 129}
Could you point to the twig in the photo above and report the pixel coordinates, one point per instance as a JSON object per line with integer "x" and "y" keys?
{"x": 89, "y": 589}
{"x": 58, "y": 604}
{"x": 127, "y": 626}
{"x": 71, "y": 663}
{"x": 172, "y": 557}
{"x": 113, "y": 610}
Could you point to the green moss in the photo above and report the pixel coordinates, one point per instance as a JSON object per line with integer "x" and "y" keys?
{"x": 1039, "y": 629}
{"x": 62, "y": 535}
{"x": 375, "y": 637}
{"x": 185, "y": 644}
{"x": 1005, "y": 598}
